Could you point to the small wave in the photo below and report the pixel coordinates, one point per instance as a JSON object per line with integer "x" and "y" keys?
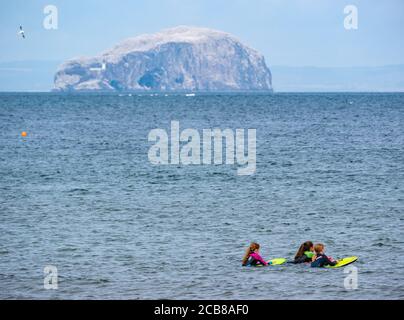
{"x": 78, "y": 190}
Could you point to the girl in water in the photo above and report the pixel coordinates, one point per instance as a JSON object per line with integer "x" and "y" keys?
{"x": 305, "y": 253}
{"x": 320, "y": 259}
{"x": 252, "y": 256}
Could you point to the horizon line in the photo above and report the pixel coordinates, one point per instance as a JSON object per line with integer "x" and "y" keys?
{"x": 275, "y": 65}
{"x": 148, "y": 93}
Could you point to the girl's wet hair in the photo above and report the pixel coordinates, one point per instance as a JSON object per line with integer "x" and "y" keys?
{"x": 253, "y": 246}
{"x": 318, "y": 247}
{"x": 306, "y": 246}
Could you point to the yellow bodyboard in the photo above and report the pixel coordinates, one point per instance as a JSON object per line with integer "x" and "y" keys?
{"x": 277, "y": 261}
{"x": 273, "y": 262}
{"x": 344, "y": 262}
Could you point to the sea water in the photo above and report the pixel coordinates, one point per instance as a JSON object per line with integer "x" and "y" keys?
{"x": 79, "y": 194}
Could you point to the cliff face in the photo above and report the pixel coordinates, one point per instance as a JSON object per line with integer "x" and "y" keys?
{"x": 178, "y": 59}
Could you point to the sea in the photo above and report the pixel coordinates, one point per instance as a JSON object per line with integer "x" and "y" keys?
{"x": 85, "y": 214}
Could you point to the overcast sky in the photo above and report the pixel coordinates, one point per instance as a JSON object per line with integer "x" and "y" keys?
{"x": 287, "y": 32}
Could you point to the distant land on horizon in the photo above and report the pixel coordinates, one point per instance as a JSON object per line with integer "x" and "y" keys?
{"x": 389, "y": 78}
{"x": 177, "y": 59}
{"x": 38, "y": 76}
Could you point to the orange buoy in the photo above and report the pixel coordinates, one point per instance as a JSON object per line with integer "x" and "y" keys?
{"x": 24, "y": 134}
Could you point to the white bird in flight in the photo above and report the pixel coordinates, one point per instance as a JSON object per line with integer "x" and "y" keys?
{"x": 21, "y": 32}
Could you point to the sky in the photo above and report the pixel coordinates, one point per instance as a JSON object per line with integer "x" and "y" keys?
{"x": 287, "y": 32}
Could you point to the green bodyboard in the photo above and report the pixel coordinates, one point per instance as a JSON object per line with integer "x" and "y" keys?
{"x": 277, "y": 261}
{"x": 273, "y": 262}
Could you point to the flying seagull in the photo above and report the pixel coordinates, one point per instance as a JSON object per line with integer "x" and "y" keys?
{"x": 21, "y": 32}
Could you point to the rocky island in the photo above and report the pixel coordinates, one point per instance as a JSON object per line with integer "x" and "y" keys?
{"x": 177, "y": 59}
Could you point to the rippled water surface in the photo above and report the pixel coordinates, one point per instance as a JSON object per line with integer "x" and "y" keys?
{"x": 79, "y": 193}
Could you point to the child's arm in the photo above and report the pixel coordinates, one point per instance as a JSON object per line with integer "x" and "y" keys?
{"x": 257, "y": 257}
{"x": 329, "y": 261}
